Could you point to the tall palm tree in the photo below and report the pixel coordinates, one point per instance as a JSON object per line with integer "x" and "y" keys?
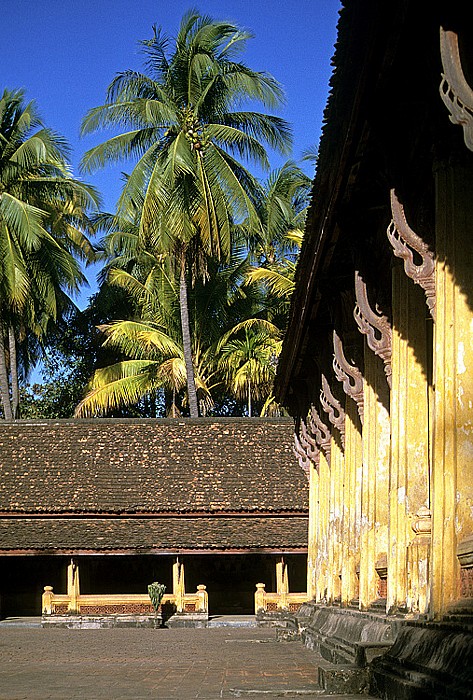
{"x": 152, "y": 343}
{"x": 185, "y": 126}
{"x": 42, "y": 209}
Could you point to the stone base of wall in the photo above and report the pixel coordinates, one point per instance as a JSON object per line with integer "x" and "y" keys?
{"x": 109, "y": 621}
{"x": 269, "y": 618}
{"x": 428, "y": 660}
{"x": 346, "y": 636}
{"x": 390, "y": 656}
{"x": 101, "y": 621}
{"x": 188, "y": 619}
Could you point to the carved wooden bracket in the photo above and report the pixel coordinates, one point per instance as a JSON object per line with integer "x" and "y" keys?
{"x": 348, "y": 374}
{"x": 302, "y": 458}
{"x": 374, "y": 325}
{"x": 336, "y": 414}
{"x": 455, "y": 92}
{"x": 309, "y": 444}
{"x": 404, "y": 241}
{"x": 320, "y": 431}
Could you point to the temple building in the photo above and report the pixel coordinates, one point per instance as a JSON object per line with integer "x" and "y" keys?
{"x": 219, "y": 503}
{"x": 377, "y": 363}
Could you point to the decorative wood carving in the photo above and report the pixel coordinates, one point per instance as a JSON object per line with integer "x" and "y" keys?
{"x": 309, "y": 444}
{"x": 336, "y": 414}
{"x": 348, "y": 374}
{"x": 455, "y": 92}
{"x": 301, "y": 456}
{"x": 320, "y": 431}
{"x": 374, "y": 325}
{"x": 404, "y": 241}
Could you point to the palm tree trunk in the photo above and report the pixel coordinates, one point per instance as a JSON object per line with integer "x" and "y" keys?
{"x": 186, "y": 343}
{"x": 249, "y": 398}
{"x": 4, "y": 384}
{"x": 15, "y": 387}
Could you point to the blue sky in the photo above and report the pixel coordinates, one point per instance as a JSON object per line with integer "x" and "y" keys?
{"x": 64, "y": 53}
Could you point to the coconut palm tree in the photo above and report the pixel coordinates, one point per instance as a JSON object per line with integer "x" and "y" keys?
{"x": 282, "y": 210}
{"x": 151, "y": 344}
{"x": 42, "y": 209}
{"x": 185, "y": 126}
{"x": 247, "y": 357}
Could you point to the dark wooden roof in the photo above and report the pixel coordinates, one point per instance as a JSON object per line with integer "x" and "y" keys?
{"x": 156, "y": 535}
{"x": 151, "y": 485}
{"x": 385, "y": 126}
{"x": 150, "y": 466}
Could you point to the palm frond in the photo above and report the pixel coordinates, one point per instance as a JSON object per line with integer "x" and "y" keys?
{"x": 122, "y": 384}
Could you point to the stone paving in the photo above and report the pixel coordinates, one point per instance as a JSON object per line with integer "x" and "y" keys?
{"x": 168, "y": 664}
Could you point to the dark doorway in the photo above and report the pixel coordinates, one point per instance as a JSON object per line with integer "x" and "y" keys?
{"x": 231, "y": 578}
{"x": 22, "y": 582}
{"x": 117, "y": 573}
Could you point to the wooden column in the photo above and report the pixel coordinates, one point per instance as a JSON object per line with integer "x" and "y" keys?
{"x": 452, "y": 485}
{"x": 409, "y": 475}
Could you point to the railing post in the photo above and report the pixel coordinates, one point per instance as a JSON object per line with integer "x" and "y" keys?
{"x": 47, "y": 601}
{"x": 260, "y": 598}
{"x": 203, "y": 599}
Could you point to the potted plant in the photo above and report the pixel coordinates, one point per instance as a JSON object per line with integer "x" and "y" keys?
{"x": 156, "y": 592}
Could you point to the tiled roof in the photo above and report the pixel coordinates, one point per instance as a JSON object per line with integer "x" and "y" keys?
{"x": 157, "y": 534}
{"x": 117, "y": 466}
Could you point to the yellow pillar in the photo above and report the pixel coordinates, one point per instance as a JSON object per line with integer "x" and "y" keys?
{"x": 409, "y": 477}
{"x": 73, "y": 587}
{"x": 321, "y": 565}
{"x": 334, "y": 524}
{"x": 313, "y": 542}
{"x": 418, "y": 563}
{"x": 452, "y": 485}
{"x": 375, "y": 473}
{"x": 178, "y": 585}
{"x": 282, "y": 584}
{"x": 351, "y": 500}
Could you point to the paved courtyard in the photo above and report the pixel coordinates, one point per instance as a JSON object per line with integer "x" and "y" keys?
{"x": 134, "y": 664}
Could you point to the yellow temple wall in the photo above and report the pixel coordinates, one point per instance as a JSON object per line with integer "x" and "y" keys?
{"x": 394, "y": 520}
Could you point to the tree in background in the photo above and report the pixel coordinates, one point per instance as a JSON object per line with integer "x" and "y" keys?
{"x": 282, "y": 210}
{"x": 236, "y": 326}
{"x": 43, "y": 214}
{"x": 185, "y": 126}
{"x": 151, "y": 342}
{"x": 72, "y": 352}
{"x": 247, "y": 356}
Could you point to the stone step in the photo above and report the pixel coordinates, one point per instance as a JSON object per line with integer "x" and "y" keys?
{"x": 21, "y": 622}
{"x": 342, "y": 678}
{"x": 232, "y": 621}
